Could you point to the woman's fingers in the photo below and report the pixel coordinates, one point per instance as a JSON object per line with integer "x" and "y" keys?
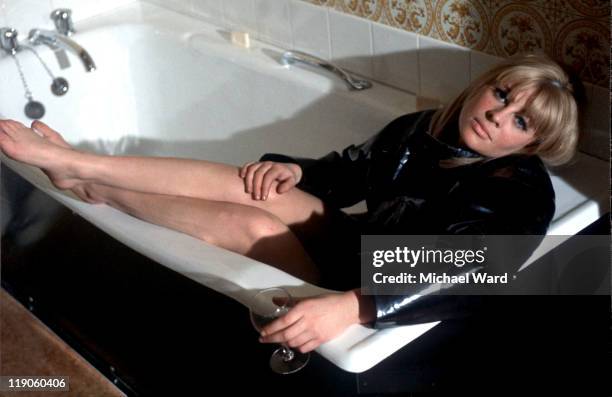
{"x": 277, "y": 173}
{"x": 299, "y": 340}
{"x": 244, "y": 168}
{"x": 292, "y": 317}
{"x": 286, "y": 185}
{"x": 294, "y": 332}
{"x": 258, "y": 179}
{"x": 248, "y": 177}
{"x": 309, "y": 346}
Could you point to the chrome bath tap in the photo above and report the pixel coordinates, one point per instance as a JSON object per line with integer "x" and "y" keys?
{"x": 59, "y": 41}
{"x": 56, "y": 41}
{"x": 8, "y": 40}
{"x": 62, "y": 18}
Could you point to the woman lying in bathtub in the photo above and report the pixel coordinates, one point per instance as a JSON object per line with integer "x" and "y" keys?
{"x": 473, "y": 167}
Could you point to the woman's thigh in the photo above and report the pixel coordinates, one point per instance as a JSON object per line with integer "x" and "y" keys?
{"x": 223, "y": 183}
{"x": 295, "y": 208}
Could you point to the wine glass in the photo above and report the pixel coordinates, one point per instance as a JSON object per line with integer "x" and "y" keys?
{"x": 267, "y": 305}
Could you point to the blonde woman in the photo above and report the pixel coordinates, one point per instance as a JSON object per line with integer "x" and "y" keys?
{"x": 473, "y": 167}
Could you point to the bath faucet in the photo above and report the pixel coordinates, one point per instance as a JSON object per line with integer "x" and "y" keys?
{"x": 56, "y": 41}
{"x": 291, "y": 57}
{"x": 62, "y": 18}
{"x": 8, "y": 40}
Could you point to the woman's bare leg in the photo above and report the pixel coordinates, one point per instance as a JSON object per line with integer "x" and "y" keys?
{"x": 303, "y": 212}
{"x": 243, "y": 229}
{"x": 170, "y": 176}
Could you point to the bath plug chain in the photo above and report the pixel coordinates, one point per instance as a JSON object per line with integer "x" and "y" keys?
{"x": 33, "y": 109}
{"x": 28, "y": 93}
{"x": 59, "y": 85}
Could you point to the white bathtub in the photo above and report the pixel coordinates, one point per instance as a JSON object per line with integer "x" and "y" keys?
{"x": 169, "y": 85}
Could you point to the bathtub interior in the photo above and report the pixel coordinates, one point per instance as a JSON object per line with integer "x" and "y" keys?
{"x": 168, "y": 85}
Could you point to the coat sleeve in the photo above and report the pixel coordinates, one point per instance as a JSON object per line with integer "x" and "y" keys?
{"x": 341, "y": 179}
{"x": 338, "y": 179}
{"x": 495, "y": 206}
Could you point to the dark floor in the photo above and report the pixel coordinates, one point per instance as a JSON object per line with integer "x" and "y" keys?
{"x": 28, "y": 347}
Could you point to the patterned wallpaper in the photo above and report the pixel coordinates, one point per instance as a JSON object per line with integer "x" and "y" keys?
{"x": 574, "y": 32}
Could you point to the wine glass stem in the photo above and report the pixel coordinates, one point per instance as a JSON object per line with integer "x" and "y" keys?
{"x": 287, "y": 353}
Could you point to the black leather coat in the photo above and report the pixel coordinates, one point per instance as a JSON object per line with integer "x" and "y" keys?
{"x": 398, "y": 173}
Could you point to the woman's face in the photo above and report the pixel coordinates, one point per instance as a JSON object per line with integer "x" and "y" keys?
{"x": 492, "y": 125}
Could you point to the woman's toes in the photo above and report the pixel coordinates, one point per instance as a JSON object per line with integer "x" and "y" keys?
{"x": 9, "y": 127}
{"x": 49, "y": 133}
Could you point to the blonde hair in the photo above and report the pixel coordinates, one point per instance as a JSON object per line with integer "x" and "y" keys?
{"x": 552, "y": 109}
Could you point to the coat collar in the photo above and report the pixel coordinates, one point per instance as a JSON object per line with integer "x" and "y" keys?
{"x": 440, "y": 147}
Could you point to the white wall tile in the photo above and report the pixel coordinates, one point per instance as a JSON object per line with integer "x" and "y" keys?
{"x": 396, "y": 60}
{"x": 212, "y": 9}
{"x": 599, "y": 106}
{"x": 183, "y": 6}
{"x": 240, "y": 15}
{"x": 595, "y": 139}
{"x": 480, "y": 63}
{"x": 3, "y": 22}
{"x": 272, "y": 18}
{"x": 444, "y": 69}
{"x": 310, "y": 29}
{"x": 351, "y": 42}
{"x": 82, "y": 9}
{"x": 25, "y": 15}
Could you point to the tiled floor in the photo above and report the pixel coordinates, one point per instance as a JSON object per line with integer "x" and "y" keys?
{"x": 28, "y": 347}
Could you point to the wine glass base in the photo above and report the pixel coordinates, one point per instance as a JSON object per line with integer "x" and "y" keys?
{"x": 280, "y": 366}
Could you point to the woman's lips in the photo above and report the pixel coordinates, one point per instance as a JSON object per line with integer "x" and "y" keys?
{"x": 479, "y": 129}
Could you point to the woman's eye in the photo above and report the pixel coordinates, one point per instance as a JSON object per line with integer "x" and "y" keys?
{"x": 501, "y": 94}
{"x": 521, "y": 122}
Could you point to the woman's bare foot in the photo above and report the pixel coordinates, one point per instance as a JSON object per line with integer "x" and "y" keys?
{"x": 45, "y": 149}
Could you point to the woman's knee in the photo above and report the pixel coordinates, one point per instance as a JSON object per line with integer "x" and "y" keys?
{"x": 260, "y": 224}
{"x": 244, "y": 227}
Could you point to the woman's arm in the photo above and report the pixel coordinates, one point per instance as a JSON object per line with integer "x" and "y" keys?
{"x": 338, "y": 179}
{"x": 341, "y": 179}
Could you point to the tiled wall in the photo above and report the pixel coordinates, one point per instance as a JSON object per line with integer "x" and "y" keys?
{"x": 407, "y": 60}
{"x": 575, "y": 32}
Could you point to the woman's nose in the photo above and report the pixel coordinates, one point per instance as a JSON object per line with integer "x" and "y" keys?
{"x": 493, "y": 117}
{"x": 497, "y": 116}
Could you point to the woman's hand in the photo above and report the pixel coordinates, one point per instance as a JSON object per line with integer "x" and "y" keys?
{"x": 259, "y": 177}
{"x": 314, "y": 321}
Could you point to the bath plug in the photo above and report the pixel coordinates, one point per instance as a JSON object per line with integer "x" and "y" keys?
{"x": 241, "y": 39}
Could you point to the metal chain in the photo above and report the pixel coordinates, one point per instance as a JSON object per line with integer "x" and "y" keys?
{"x": 28, "y": 93}
{"x": 33, "y": 51}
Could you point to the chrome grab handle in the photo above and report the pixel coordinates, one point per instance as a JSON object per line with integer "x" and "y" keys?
{"x": 354, "y": 83}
